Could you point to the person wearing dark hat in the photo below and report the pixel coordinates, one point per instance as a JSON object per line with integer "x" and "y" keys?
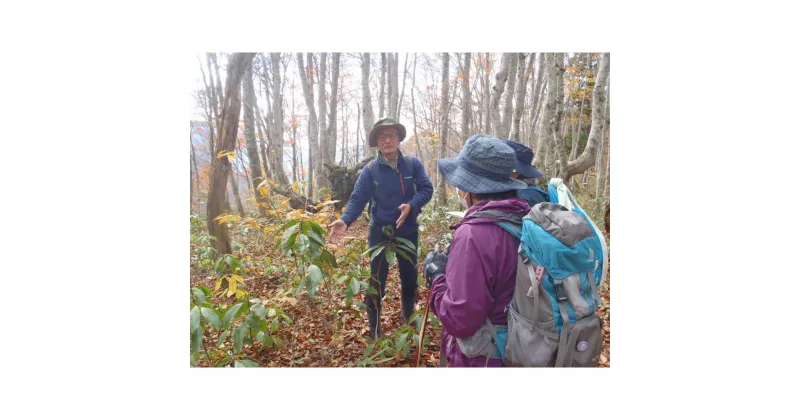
{"x": 527, "y": 173}
{"x": 397, "y": 188}
{"x": 475, "y": 281}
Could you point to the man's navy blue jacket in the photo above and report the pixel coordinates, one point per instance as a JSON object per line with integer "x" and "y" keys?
{"x": 394, "y": 187}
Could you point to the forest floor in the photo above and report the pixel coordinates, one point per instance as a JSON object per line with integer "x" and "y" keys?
{"x": 313, "y": 341}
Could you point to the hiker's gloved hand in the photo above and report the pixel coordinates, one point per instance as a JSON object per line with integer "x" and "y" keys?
{"x": 434, "y": 265}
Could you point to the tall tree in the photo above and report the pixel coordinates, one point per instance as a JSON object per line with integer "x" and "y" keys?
{"x": 262, "y": 139}
{"x": 277, "y": 110}
{"x": 235, "y": 190}
{"x": 523, "y": 72}
{"x": 555, "y": 101}
{"x": 443, "y": 125}
{"x": 249, "y": 95}
{"x": 331, "y": 137}
{"x": 466, "y": 99}
{"x": 221, "y": 167}
{"x": 382, "y": 90}
{"x": 543, "y": 137}
{"x": 402, "y": 90}
{"x": 323, "y": 114}
{"x": 196, "y": 175}
{"x": 369, "y": 118}
{"x": 602, "y": 158}
{"x": 306, "y": 78}
{"x": 487, "y": 95}
{"x": 390, "y": 85}
{"x": 508, "y": 102}
{"x": 537, "y": 87}
{"x": 497, "y": 93}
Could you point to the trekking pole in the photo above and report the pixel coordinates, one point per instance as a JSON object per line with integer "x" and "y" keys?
{"x": 424, "y": 319}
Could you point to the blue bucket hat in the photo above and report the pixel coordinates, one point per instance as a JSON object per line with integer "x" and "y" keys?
{"x": 524, "y": 159}
{"x": 483, "y": 166}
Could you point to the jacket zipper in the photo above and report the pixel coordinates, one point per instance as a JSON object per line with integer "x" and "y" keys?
{"x": 402, "y": 185}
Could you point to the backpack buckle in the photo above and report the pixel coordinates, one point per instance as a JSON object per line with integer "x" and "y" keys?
{"x": 561, "y": 294}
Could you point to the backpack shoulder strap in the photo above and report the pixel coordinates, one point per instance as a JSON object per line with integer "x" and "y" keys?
{"x": 514, "y": 229}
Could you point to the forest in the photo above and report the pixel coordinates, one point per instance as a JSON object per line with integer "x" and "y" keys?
{"x": 277, "y": 141}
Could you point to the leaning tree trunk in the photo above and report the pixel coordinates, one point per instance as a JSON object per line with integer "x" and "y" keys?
{"x": 322, "y": 182}
{"x": 536, "y": 107}
{"x": 249, "y": 94}
{"x": 366, "y": 102}
{"x": 508, "y": 103}
{"x": 587, "y": 158}
{"x": 402, "y": 89}
{"x": 221, "y": 167}
{"x": 382, "y": 88}
{"x": 466, "y": 99}
{"x": 331, "y": 137}
{"x": 306, "y": 76}
{"x": 555, "y": 97}
{"x": 487, "y": 96}
{"x": 443, "y": 123}
{"x": 602, "y": 156}
{"x": 497, "y": 93}
{"x": 277, "y": 124}
{"x": 543, "y": 137}
{"x": 523, "y": 71}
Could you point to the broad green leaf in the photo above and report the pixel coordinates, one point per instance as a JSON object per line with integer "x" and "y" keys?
{"x": 259, "y": 310}
{"x": 252, "y": 321}
{"x": 328, "y": 257}
{"x": 304, "y": 243}
{"x": 244, "y": 363}
{"x": 374, "y": 247}
{"x": 268, "y": 341}
{"x": 260, "y": 337}
{"x": 315, "y": 236}
{"x": 371, "y": 290}
{"x": 230, "y": 315}
{"x": 222, "y": 337}
{"x": 194, "y": 318}
{"x": 390, "y": 257}
{"x": 406, "y": 242}
{"x": 211, "y": 317}
{"x": 388, "y": 230}
{"x": 199, "y": 296}
{"x": 271, "y": 312}
{"x": 289, "y": 237}
{"x": 238, "y": 338}
{"x": 197, "y": 339}
{"x": 376, "y": 252}
{"x": 353, "y": 288}
{"x": 405, "y": 255}
{"x": 407, "y": 249}
{"x": 315, "y": 274}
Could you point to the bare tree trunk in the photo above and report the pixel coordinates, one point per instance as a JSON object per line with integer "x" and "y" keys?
{"x": 523, "y": 71}
{"x": 306, "y": 78}
{"x": 508, "y": 102}
{"x": 497, "y": 93}
{"x": 555, "y": 71}
{"x": 587, "y": 158}
{"x": 466, "y": 99}
{"x": 442, "y": 196}
{"x": 221, "y": 167}
{"x": 603, "y": 156}
{"x": 369, "y": 119}
{"x": 486, "y": 96}
{"x": 543, "y": 138}
{"x": 402, "y": 90}
{"x": 262, "y": 139}
{"x": 414, "y": 109}
{"x": 196, "y": 175}
{"x": 277, "y": 105}
{"x": 358, "y": 131}
{"x": 322, "y": 181}
{"x": 381, "y": 91}
{"x": 213, "y": 110}
{"x": 331, "y": 137}
{"x": 249, "y": 95}
{"x": 390, "y": 85}
{"x": 536, "y": 109}
{"x": 235, "y": 190}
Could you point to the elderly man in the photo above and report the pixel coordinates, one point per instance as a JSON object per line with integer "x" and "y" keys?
{"x": 397, "y": 187}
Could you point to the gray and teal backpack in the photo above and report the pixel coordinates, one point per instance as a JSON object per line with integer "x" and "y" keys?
{"x": 552, "y": 320}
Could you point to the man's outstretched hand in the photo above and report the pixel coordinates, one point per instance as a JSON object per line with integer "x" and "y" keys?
{"x": 336, "y": 232}
{"x": 405, "y": 210}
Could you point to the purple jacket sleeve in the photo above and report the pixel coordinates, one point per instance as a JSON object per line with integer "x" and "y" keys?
{"x": 461, "y": 297}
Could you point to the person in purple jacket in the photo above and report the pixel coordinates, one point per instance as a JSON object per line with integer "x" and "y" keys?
{"x": 475, "y": 280}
